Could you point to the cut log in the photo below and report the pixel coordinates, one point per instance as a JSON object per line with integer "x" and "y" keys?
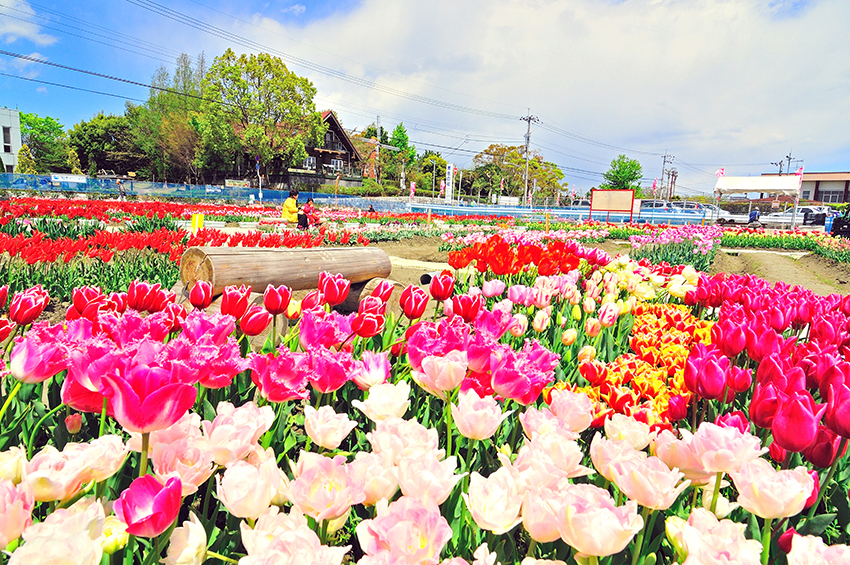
{"x": 359, "y": 291}
{"x": 296, "y": 268}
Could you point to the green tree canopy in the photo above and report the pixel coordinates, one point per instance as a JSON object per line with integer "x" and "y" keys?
{"x": 508, "y": 163}
{"x": 47, "y": 142}
{"x": 268, "y": 110}
{"x": 26, "y": 164}
{"x": 624, "y": 174}
{"x": 106, "y": 142}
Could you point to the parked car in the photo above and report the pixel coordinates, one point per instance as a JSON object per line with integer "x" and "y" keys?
{"x": 655, "y": 206}
{"x": 581, "y": 203}
{"x": 686, "y": 205}
{"x": 718, "y": 214}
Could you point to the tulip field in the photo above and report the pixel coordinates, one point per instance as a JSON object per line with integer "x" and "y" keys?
{"x": 539, "y": 402}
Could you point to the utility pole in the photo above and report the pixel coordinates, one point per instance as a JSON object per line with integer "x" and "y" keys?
{"x": 667, "y": 160}
{"x": 779, "y": 164}
{"x": 674, "y": 174}
{"x": 529, "y": 118}
{"x": 378, "y": 151}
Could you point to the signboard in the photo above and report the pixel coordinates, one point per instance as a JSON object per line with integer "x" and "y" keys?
{"x": 450, "y": 178}
{"x": 612, "y": 201}
{"x": 197, "y": 222}
{"x": 69, "y": 178}
{"x": 508, "y": 200}
{"x": 236, "y": 183}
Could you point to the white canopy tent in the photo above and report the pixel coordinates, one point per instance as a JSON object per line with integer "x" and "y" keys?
{"x": 788, "y": 185}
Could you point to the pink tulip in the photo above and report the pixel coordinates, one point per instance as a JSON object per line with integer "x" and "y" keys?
{"x": 406, "y": 531}
{"x": 769, "y": 493}
{"x": 679, "y": 454}
{"x": 16, "y": 504}
{"x": 811, "y": 550}
{"x": 325, "y": 427}
{"x": 328, "y": 370}
{"x": 147, "y": 507}
{"x": 373, "y": 369}
{"x": 574, "y": 409}
{"x": 187, "y": 459}
{"x": 796, "y": 422}
{"x": 377, "y": 474}
{"x": 649, "y": 482}
{"x": 519, "y": 325}
{"x": 234, "y": 300}
{"x": 442, "y": 374}
{"x": 605, "y": 453}
{"x": 427, "y": 478}
{"x": 247, "y": 490}
{"x": 54, "y": 475}
{"x": 38, "y": 355}
{"x": 201, "y": 295}
{"x": 522, "y": 375}
{"x": 145, "y": 398}
{"x": 279, "y": 378}
{"x": 325, "y": 490}
{"x": 385, "y": 401}
{"x": 235, "y": 432}
{"x": 724, "y": 449}
{"x": 520, "y": 294}
{"x": 494, "y": 502}
{"x": 590, "y": 522}
{"x": 735, "y": 419}
{"x": 477, "y": 417}
{"x": 493, "y": 288}
{"x": 608, "y": 314}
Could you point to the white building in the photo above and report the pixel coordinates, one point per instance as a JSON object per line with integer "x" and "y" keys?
{"x": 10, "y": 122}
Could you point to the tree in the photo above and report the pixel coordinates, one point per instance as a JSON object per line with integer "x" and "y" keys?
{"x": 371, "y": 132}
{"x": 47, "y": 142}
{"x": 433, "y": 167}
{"x": 391, "y": 160}
{"x": 26, "y": 164}
{"x": 106, "y": 142}
{"x": 624, "y": 174}
{"x": 508, "y": 163}
{"x": 269, "y": 110}
{"x": 73, "y": 162}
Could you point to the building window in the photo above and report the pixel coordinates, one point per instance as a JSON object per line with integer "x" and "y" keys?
{"x": 10, "y": 168}
{"x": 336, "y": 164}
{"x": 7, "y": 139}
{"x": 805, "y": 195}
{"x": 310, "y": 163}
{"x": 831, "y": 196}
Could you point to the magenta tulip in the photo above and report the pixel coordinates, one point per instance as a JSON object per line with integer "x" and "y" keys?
{"x": 796, "y": 421}
{"x": 777, "y": 453}
{"x": 729, "y": 337}
{"x": 824, "y": 448}
{"x": 234, "y": 300}
{"x": 276, "y": 299}
{"x": 815, "y": 491}
{"x": 201, "y": 295}
{"x": 255, "y": 320}
{"x": 764, "y": 404}
{"x": 147, "y": 507}
{"x": 735, "y": 419}
{"x": 38, "y": 355}
{"x": 280, "y": 378}
{"x": 837, "y": 416}
{"x": 145, "y": 399}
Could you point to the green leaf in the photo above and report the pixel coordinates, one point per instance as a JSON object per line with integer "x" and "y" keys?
{"x": 816, "y": 525}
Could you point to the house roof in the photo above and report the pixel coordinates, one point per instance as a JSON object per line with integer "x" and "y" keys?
{"x": 808, "y": 177}
{"x": 330, "y": 118}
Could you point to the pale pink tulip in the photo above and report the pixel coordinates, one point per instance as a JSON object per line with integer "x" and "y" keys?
{"x": 593, "y": 524}
{"x": 604, "y": 453}
{"x": 540, "y": 510}
{"x": 476, "y": 417}
{"x": 103, "y": 456}
{"x": 649, "y": 482}
{"x": 13, "y": 461}
{"x": 541, "y": 321}
{"x": 483, "y": 556}
{"x": 385, "y": 400}
{"x": 377, "y": 474}
{"x": 620, "y": 426}
{"x": 441, "y": 374}
{"x": 494, "y": 502}
{"x": 427, "y": 478}
{"x": 187, "y": 544}
{"x": 296, "y": 547}
{"x": 724, "y": 449}
{"x": 706, "y": 540}
{"x": 325, "y": 427}
{"x": 325, "y": 490}
{"x": 374, "y": 369}
{"x": 722, "y": 506}
{"x": 677, "y": 453}
{"x": 189, "y": 426}
{"x": 553, "y": 455}
{"x": 75, "y": 532}
{"x": 573, "y": 408}
{"x": 533, "y": 561}
{"x": 54, "y": 476}
{"x": 406, "y": 532}
{"x": 608, "y": 314}
{"x": 811, "y": 550}
{"x": 270, "y": 525}
{"x": 188, "y": 459}
{"x": 537, "y": 421}
{"x": 769, "y": 493}
{"x": 16, "y": 504}
{"x": 519, "y": 325}
{"x": 403, "y": 439}
{"x": 493, "y": 288}
{"x": 235, "y": 431}
{"x": 247, "y": 491}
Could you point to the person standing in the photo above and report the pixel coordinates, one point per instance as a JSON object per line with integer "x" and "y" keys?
{"x": 122, "y": 195}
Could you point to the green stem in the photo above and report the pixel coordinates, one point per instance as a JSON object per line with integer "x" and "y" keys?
{"x": 716, "y": 491}
{"x": 36, "y": 428}
{"x": 469, "y": 450}
{"x": 103, "y": 418}
{"x": 9, "y": 398}
{"x": 448, "y": 426}
{"x": 201, "y": 396}
{"x": 532, "y": 545}
{"x": 222, "y": 558}
{"x": 828, "y": 478}
{"x": 639, "y": 541}
{"x": 323, "y": 532}
{"x": 274, "y": 331}
{"x": 143, "y": 468}
{"x": 765, "y": 541}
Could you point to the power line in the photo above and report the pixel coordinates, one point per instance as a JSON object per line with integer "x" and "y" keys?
{"x": 71, "y": 87}
{"x": 590, "y": 141}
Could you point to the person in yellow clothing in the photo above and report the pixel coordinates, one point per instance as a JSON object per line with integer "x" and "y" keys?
{"x": 290, "y": 213}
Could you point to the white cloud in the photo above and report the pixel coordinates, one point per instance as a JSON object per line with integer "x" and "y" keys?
{"x": 16, "y": 23}
{"x": 295, "y": 9}
{"x": 41, "y": 90}
{"x": 28, "y": 69}
{"x": 717, "y": 83}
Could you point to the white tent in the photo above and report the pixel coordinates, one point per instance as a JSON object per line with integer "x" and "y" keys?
{"x": 785, "y": 184}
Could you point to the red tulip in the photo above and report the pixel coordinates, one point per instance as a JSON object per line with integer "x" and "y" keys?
{"x": 255, "y": 320}
{"x": 384, "y": 290}
{"x": 413, "y": 301}
{"x": 334, "y": 287}
{"x": 119, "y": 301}
{"x": 467, "y": 307}
{"x": 815, "y": 491}
{"x": 777, "y": 453}
{"x": 7, "y": 326}
{"x": 824, "y": 448}
{"x": 141, "y": 295}
{"x": 146, "y": 399}
{"x": 372, "y": 305}
{"x": 786, "y": 539}
{"x": 147, "y": 507}
{"x": 277, "y": 299}
{"x": 796, "y": 421}
{"x": 764, "y": 404}
{"x": 74, "y": 423}
{"x": 368, "y": 324}
{"x": 28, "y": 305}
{"x": 314, "y": 299}
{"x": 82, "y": 296}
{"x": 161, "y": 300}
{"x": 740, "y": 379}
{"x": 4, "y": 295}
{"x": 677, "y": 408}
{"x": 442, "y": 286}
{"x": 837, "y": 416}
{"x": 234, "y": 301}
{"x": 201, "y": 295}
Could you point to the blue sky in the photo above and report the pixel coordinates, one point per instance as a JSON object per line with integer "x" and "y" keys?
{"x": 735, "y": 84}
